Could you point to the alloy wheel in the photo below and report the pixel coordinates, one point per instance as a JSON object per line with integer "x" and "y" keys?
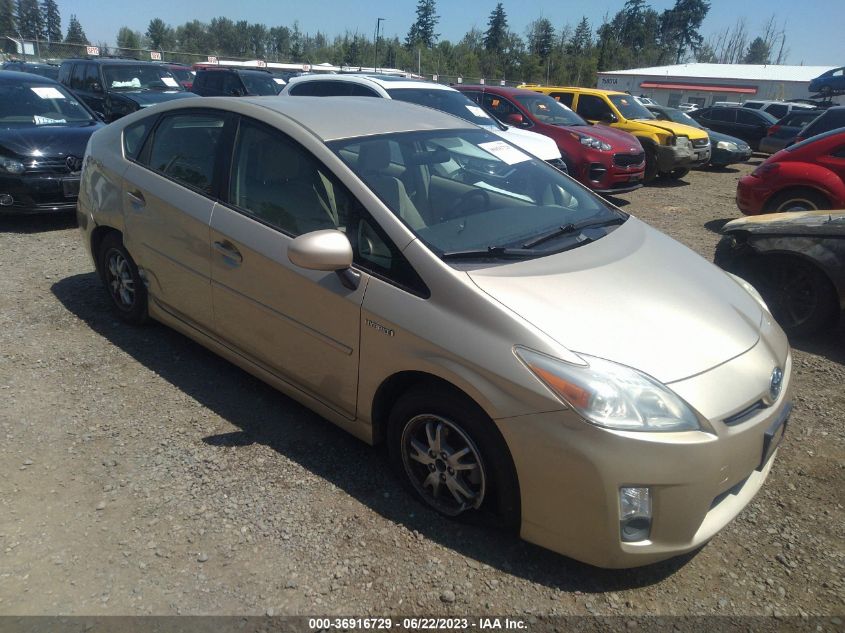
{"x": 119, "y": 280}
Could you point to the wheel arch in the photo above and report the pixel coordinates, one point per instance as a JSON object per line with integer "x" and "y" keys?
{"x": 97, "y": 236}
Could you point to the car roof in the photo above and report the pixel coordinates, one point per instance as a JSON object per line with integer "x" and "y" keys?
{"x": 577, "y": 90}
{"x": 385, "y": 82}
{"x": 223, "y": 69}
{"x": 501, "y": 90}
{"x": 13, "y": 76}
{"x": 333, "y": 119}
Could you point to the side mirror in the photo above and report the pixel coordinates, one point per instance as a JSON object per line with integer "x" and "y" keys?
{"x": 515, "y": 119}
{"x": 96, "y": 87}
{"x": 327, "y": 250}
{"x": 608, "y": 117}
{"x": 100, "y": 115}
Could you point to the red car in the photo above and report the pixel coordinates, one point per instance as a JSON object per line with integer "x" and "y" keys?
{"x": 602, "y": 158}
{"x": 805, "y": 176}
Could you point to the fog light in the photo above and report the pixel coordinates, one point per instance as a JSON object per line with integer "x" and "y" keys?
{"x": 6, "y": 200}
{"x": 634, "y": 514}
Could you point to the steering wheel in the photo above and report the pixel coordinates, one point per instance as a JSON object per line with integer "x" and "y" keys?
{"x": 474, "y": 201}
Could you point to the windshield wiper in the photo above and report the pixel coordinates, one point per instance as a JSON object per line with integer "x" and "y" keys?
{"x": 493, "y": 252}
{"x": 570, "y": 229}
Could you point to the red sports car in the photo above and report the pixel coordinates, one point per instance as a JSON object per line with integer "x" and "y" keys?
{"x": 602, "y": 158}
{"x": 805, "y": 176}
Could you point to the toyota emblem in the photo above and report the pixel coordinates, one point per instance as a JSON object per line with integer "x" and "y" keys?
{"x": 776, "y": 383}
{"x": 74, "y": 163}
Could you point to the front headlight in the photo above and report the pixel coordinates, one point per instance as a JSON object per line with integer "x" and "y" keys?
{"x": 681, "y": 141}
{"x": 595, "y": 143}
{"x": 610, "y": 395}
{"x": 11, "y": 165}
{"x": 731, "y": 147}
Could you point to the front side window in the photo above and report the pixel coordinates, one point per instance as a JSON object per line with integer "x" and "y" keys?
{"x": 564, "y": 97}
{"x": 498, "y": 106}
{"x": 592, "y": 107}
{"x": 724, "y": 115}
{"x": 139, "y": 77}
{"x": 278, "y": 182}
{"x": 185, "y": 148}
{"x": 547, "y": 110}
{"x": 467, "y": 194}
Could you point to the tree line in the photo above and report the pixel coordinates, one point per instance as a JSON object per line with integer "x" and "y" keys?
{"x": 636, "y": 36}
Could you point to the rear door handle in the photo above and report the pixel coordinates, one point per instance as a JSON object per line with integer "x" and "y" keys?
{"x": 228, "y": 250}
{"x": 137, "y": 198}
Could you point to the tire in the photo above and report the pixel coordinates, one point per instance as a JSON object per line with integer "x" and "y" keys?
{"x": 466, "y": 437}
{"x": 800, "y": 296}
{"x": 797, "y": 200}
{"x": 122, "y": 281}
{"x": 650, "y": 164}
{"x": 675, "y": 174}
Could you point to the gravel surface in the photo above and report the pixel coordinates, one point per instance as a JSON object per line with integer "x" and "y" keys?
{"x": 141, "y": 474}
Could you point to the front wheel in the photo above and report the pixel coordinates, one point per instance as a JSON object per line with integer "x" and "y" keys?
{"x": 676, "y": 174}
{"x": 122, "y": 280}
{"x": 453, "y": 457}
{"x": 797, "y": 200}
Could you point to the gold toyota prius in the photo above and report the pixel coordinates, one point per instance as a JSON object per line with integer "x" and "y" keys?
{"x": 526, "y": 351}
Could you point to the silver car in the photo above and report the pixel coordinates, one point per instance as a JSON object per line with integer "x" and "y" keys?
{"x": 527, "y": 351}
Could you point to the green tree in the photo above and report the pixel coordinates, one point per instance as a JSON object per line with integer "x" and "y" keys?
{"x": 541, "y": 37}
{"x": 422, "y": 30}
{"x": 680, "y": 26}
{"x": 128, "y": 39}
{"x": 296, "y": 43}
{"x": 52, "y": 21}
{"x": 192, "y": 37}
{"x": 8, "y": 26}
{"x": 758, "y": 52}
{"x": 279, "y": 42}
{"x": 30, "y": 25}
{"x": 496, "y": 35}
{"x": 75, "y": 34}
{"x": 159, "y": 34}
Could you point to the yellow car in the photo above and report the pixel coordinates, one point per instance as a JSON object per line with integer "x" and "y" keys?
{"x": 671, "y": 149}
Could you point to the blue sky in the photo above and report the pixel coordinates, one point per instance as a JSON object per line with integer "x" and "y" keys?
{"x": 814, "y": 27}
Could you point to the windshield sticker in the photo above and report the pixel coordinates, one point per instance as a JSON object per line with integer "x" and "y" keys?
{"x": 495, "y": 103}
{"x": 623, "y": 101}
{"x": 43, "y": 120}
{"x": 132, "y": 83}
{"x": 542, "y": 106}
{"x": 281, "y": 82}
{"x": 504, "y": 152}
{"x": 475, "y": 110}
{"x": 47, "y": 92}
{"x": 170, "y": 81}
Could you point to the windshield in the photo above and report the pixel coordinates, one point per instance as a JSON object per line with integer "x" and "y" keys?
{"x": 467, "y": 194}
{"x": 139, "y": 77}
{"x": 32, "y": 105}
{"x": 547, "y": 110}
{"x": 182, "y": 74}
{"x": 449, "y": 101}
{"x": 629, "y": 108}
{"x": 681, "y": 117}
{"x": 260, "y": 84}
{"x": 51, "y": 72}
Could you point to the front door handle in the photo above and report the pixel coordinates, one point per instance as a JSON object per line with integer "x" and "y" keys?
{"x": 228, "y": 250}
{"x": 137, "y": 198}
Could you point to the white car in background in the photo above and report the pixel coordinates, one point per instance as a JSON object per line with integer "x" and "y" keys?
{"x": 425, "y": 93}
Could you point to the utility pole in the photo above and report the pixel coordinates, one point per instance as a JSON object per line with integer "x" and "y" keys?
{"x": 375, "y": 41}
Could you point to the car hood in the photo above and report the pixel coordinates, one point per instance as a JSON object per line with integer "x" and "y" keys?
{"x": 635, "y": 297}
{"x": 540, "y": 146}
{"x": 621, "y": 140}
{"x": 678, "y": 129}
{"x": 48, "y": 140}
{"x": 716, "y": 137}
{"x": 791, "y": 223}
{"x": 146, "y": 98}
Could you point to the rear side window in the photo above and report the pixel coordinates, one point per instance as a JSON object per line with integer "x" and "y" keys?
{"x": 564, "y": 97}
{"x": 134, "y": 135}
{"x": 185, "y": 148}
{"x": 592, "y": 107}
{"x": 726, "y": 115}
{"x": 749, "y": 118}
{"x": 756, "y": 105}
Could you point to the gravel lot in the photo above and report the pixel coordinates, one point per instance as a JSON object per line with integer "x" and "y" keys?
{"x": 141, "y": 474}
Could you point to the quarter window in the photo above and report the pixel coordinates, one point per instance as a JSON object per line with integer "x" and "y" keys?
{"x": 134, "y": 135}
{"x": 185, "y": 148}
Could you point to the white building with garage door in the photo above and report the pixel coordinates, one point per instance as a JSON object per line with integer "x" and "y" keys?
{"x": 705, "y": 84}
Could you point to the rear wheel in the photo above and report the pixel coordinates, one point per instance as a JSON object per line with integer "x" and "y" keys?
{"x": 453, "y": 457}
{"x": 123, "y": 282}
{"x": 797, "y": 200}
{"x": 800, "y": 296}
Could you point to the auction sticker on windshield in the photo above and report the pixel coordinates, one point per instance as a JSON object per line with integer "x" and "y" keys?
{"x": 47, "y": 92}
{"x": 475, "y": 110}
{"x": 169, "y": 81}
{"x": 504, "y": 152}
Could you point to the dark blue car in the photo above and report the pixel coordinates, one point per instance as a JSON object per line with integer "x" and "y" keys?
{"x": 830, "y": 82}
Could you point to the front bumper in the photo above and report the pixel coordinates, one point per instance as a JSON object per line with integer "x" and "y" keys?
{"x": 671, "y": 157}
{"x": 570, "y": 473}
{"x": 722, "y": 157}
{"x": 38, "y": 193}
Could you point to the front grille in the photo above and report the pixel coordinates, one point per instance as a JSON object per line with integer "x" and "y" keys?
{"x": 46, "y": 166}
{"x": 701, "y": 142}
{"x": 626, "y": 160}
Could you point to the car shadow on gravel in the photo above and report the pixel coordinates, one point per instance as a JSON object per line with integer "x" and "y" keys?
{"x": 828, "y": 344}
{"x": 37, "y": 223}
{"x": 267, "y": 417}
{"x": 667, "y": 183}
{"x": 715, "y": 226}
